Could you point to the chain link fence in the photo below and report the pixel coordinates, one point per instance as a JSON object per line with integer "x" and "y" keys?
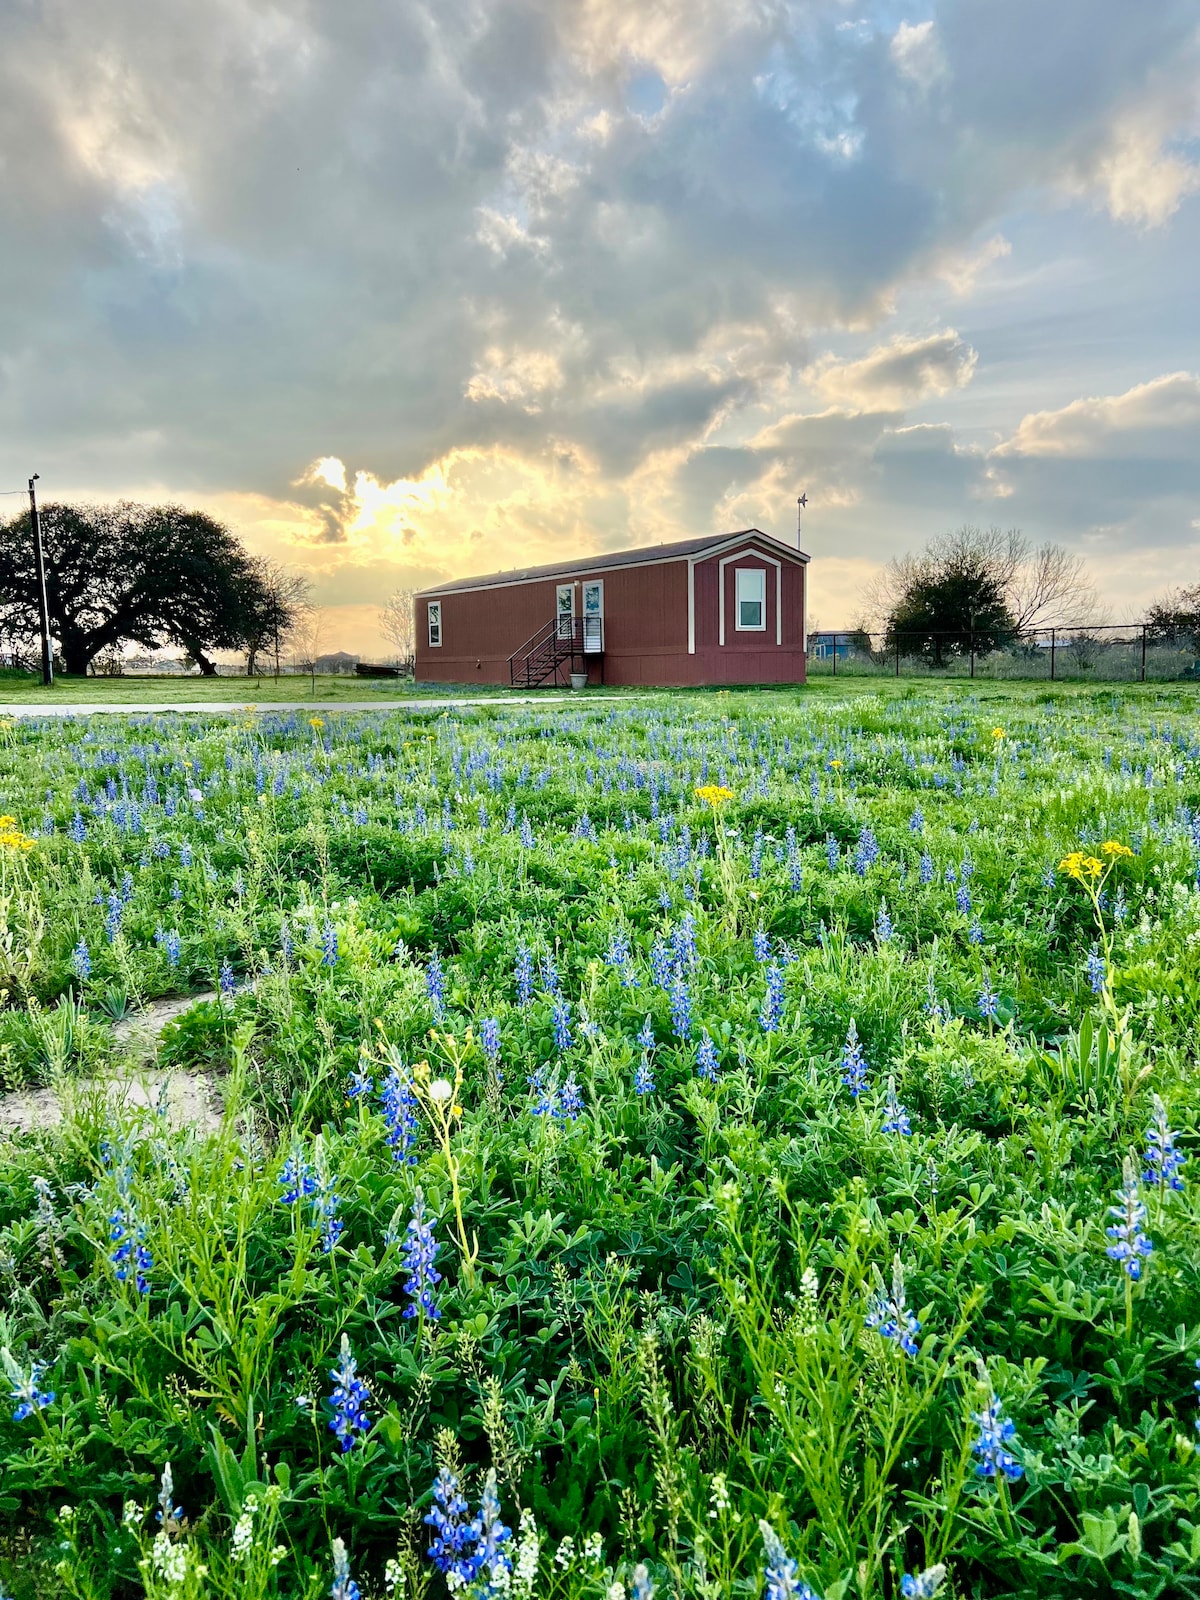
{"x": 1121, "y": 653}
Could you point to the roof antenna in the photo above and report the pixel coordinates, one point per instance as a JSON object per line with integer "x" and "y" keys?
{"x": 800, "y": 505}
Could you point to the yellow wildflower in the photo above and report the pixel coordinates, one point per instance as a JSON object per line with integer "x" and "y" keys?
{"x": 7, "y": 823}
{"x": 997, "y": 733}
{"x": 316, "y": 722}
{"x": 1080, "y": 866}
{"x": 714, "y": 794}
{"x": 1113, "y": 847}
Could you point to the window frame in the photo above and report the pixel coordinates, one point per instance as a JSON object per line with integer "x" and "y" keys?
{"x": 760, "y": 598}
{"x": 434, "y": 623}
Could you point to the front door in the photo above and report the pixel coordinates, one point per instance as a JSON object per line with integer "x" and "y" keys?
{"x": 593, "y": 618}
{"x": 566, "y": 610}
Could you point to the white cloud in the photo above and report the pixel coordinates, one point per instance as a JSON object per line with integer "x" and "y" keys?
{"x": 1159, "y": 417}
{"x": 898, "y": 374}
{"x": 917, "y": 53}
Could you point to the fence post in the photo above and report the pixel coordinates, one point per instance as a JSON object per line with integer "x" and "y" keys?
{"x": 972, "y": 652}
{"x": 1143, "y": 652}
{"x": 835, "y": 655}
{"x": 1052, "y": 637}
{"x": 897, "y": 655}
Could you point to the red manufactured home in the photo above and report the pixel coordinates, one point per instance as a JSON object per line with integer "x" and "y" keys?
{"x": 729, "y": 608}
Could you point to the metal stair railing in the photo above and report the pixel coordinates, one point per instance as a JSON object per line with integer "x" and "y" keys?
{"x": 562, "y": 639}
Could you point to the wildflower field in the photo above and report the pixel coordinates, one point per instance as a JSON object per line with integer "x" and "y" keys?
{"x": 699, "y": 1146}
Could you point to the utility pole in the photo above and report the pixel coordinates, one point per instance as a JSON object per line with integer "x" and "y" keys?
{"x": 39, "y": 561}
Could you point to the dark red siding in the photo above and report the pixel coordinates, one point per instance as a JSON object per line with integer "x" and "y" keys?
{"x": 645, "y": 625}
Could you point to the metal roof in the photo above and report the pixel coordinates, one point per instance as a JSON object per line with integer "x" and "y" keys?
{"x": 646, "y": 556}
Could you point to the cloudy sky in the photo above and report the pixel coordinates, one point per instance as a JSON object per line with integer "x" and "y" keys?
{"x": 408, "y": 289}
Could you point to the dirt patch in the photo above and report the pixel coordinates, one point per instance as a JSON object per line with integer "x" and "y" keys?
{"x": 187, "y": 1099}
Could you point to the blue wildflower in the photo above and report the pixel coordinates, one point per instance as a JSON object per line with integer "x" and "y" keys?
{"x": 925, "y": 1585}
{"x": 962, "y": 899}
{"x": 129, "y": 1254}
{"x": 325, "y": 1210}
{"x": 348, "y": 1397}
{"x": 643, "y": 1078}
{"x": 762, "y": 944}
{"x": 661, "y": 966}
{"x": 832, "y": 852}
{"x": 681, "y": 1007}
{"x": 926, "y": 869}
{"x": 435, "y": 986}
{"x": 707, "y": 1066}
{"x": 81, "y": 961}
{"x": 226, "y": 980}
{"x": 683, "y": 941}
{"x": 78, "y": 829}
{"x": 548, "y": 973}
{"x": 916, "y": 823}
{"x": 526, "y": 833}
{"x": 1096, "y": 969}
{"x": 780, "y": 1576}
{"x": 996, "y": 1433}
{"x": 883, "y": 924}
{"x": 489, "y": 1040}
{"x": 889, "y": 1313}
{"x": 570, "y": 1099}
{"x": 866, "y": 852}
{"x": 420, "y": 1252}
{"x": 112, "y": 918}
{"x": 1163, "y": 1160}
{"x": 1130, "y": 1245}
{"x": 975, "y": 932}
{"x": 854, "y": 1064}
{"x": 297, "y": 1178}
{"x": 562, "y": 1024}
{"x": 329, "y": 944}
{"x": 398, "y": 1102}
{"x": 772, "y": 1006}
{"x": 619, "y": 957}
{"x": 524, "y": 974}
{"x": 361, "y": 1082}
{"x": 896, "y": 1117}
{"x": 989, "y": 1000}
{"x": 23, "y": 1387}
{"x": 455, "y": 1532}
{"x": 344, "y": 1586}
{"x": 646, "y": 1035}
{"x": 491, "y": 1561}
{"x": 641, "y": 1586}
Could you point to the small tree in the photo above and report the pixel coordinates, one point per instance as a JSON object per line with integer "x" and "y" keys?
{"x": 398, "y": 626}
{"x": 1174, "y": 618}
{"x": 269, "y": 624}
{"x": 308, "y": 635}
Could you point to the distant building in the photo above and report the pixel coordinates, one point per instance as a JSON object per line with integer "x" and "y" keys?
{"x": 338, "y": 661}
{"x": 729, "y": 608}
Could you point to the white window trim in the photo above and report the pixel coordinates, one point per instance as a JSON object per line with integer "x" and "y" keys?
{"x": 561, "y": 616}
{"x": 760, "y": 555}
{"x": 760, "y": 599}
{"x": 433, "y": 623}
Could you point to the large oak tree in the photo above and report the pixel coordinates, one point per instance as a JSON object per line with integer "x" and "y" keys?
{"x": 127, "y": 573}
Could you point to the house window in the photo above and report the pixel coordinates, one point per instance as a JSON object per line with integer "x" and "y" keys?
{"x": 751, "y": 599}
{"x": 565, "y": 608}
{"x": 435, "y": 622}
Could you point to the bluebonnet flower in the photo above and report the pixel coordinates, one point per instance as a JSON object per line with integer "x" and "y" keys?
{"x": 1096, "y": 969}
{"x": 524, "y": 974}
{"x": 640, "y": 1583}
{"x": 78, "y": 829}
{"x": 435, "y": 986}
{"x": 925, "y": 1585}
{"x": 683, "y": 941}
{"x": 361, "y": 1081}
{"x": 168, "y": 1515}
{"x": 832, "y": 852}
{"x": 455, "y": 1532}
{"x": 1130, "y": 1245}
{"x": 544, "y": 1092}
{"x": 707, "y": 1066}
{"x": 780, "y": 1576}
{"x": 896, "y": 1117}
{"x": 172, "y": 947}
{"x": 23, "y": 1387}
{"x": 570, "y": 1099}
{"x": 926, "y": 869}
{"x": 762, "y": 944}
{"x": 492, "y": 1562}
{"x": 975, "y": 931}
{"x": 562, "y": 1024}
{"x": 398, "y": 1102}
{"x": 112, "y": 918}
{"x": 526, "y": 833}
{"x": 348, "y": 1398}
{"x": 661, "y": 965}
{"x": 643, "y": 1078}
{"x": 548, "y": 973}
{"x": 772, "y": 1006}
{"x": 297, "y": 1178}
{"x": 325, "y": 1209}
{"x": 889, "y": 1313}
{"x": 1163, "y": 1160}
{"x": 916, "y": 822}
{"x": 854, "y": 1063}
{"x": 681, "y": 1007}
{"x": 489, "y": 1040}
{"x": 329, "y": 944}
{"x": 883, "y": 924}
{"x": 1120, "y": 905}
{"x": 420, "y": 1252}
{"x": 185, "y": 855}
{"x": 962, "y": 899}
{"x": 646, "y": 1035}
{"x": 81, "y": 961}
{"x": 989, "y": 1000}
{"x": 996, "y": 1433}
{"x": 866, "y": 851}
{"x": 756, "y": 854}
{"x": 130, "y": 1253}
{"x": 619, "y": 957}
{"x": 226, "y": 980}
{"x": 344, "y": 1586}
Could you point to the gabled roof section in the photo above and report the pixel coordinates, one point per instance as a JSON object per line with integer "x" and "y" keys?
{"x": 648, "y": 555}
